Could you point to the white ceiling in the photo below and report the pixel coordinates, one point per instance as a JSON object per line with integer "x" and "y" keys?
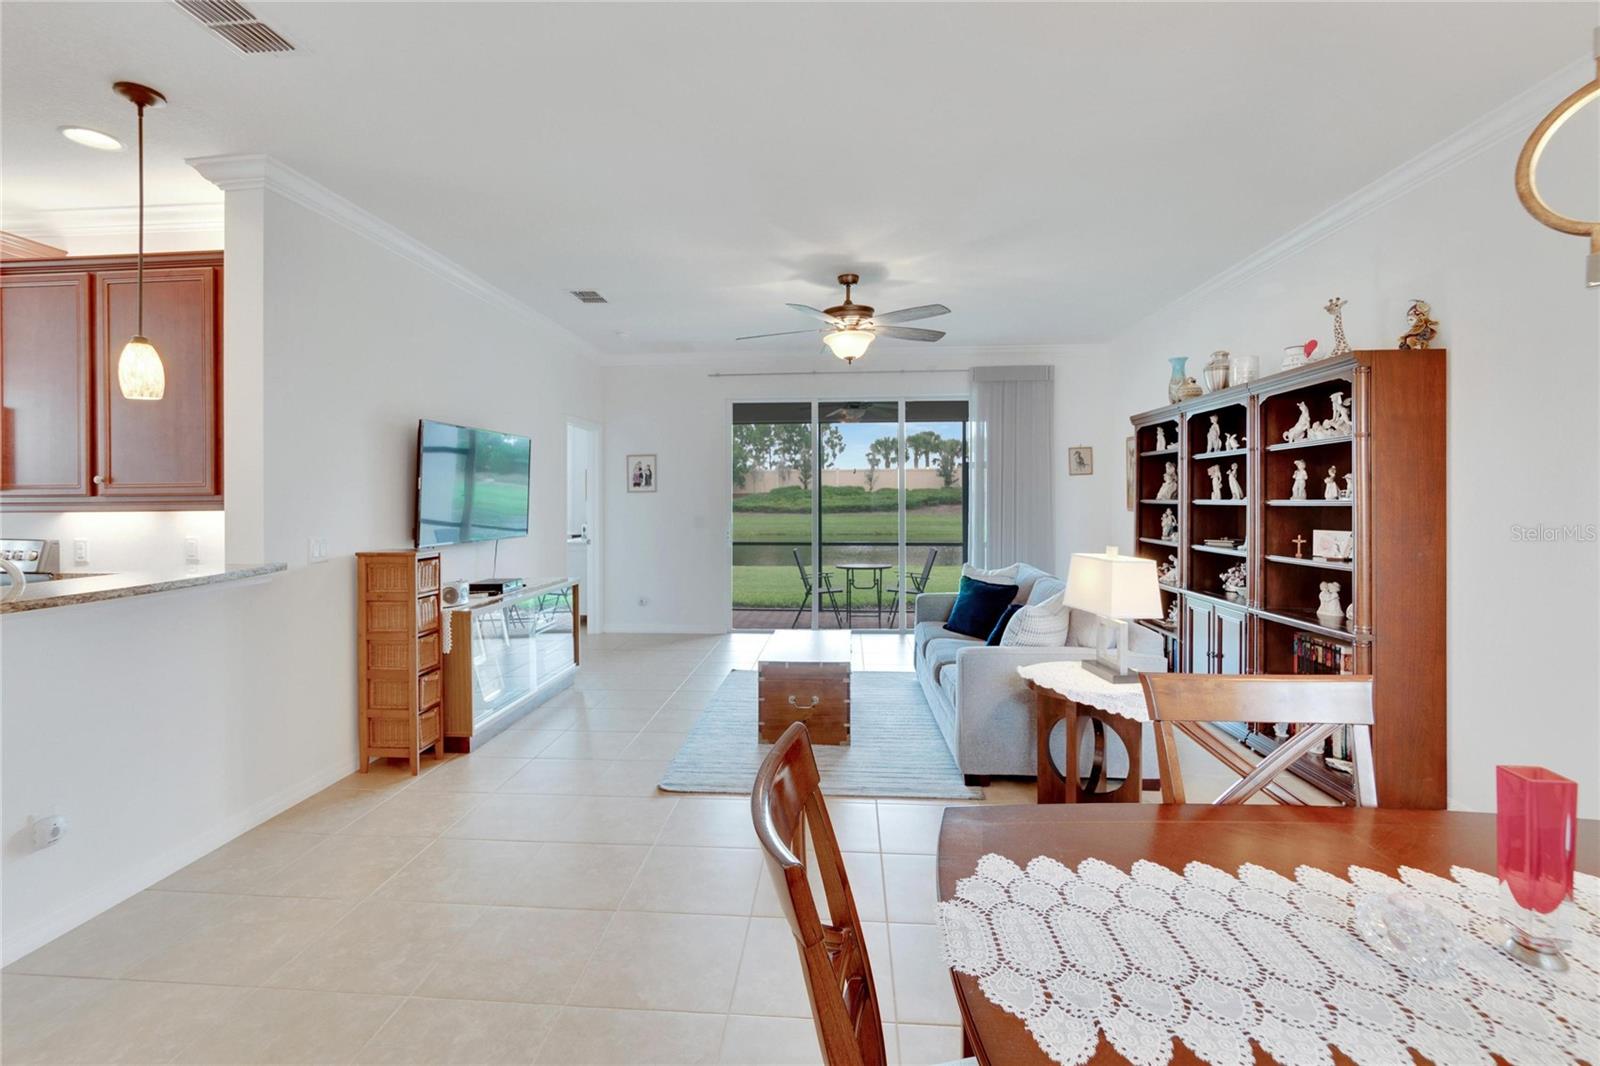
{"x": 1052, "y": 172}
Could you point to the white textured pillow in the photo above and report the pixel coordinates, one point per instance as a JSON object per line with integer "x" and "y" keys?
{"x": 1006, "y": 575}
{"x": 1043, "y": 625}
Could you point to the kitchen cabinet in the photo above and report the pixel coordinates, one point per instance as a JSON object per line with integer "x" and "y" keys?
{"x": 70, "y": 440}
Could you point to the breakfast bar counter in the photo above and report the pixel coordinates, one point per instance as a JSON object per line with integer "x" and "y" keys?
{"x": 68, "y": 591}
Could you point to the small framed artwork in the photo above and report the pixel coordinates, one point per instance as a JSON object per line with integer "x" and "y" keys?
{"x": 641, "y": 473}
{"x": 1131, "y": 463}
{"x": 1332, "y": 544}
{"x": 1080, "y": 460}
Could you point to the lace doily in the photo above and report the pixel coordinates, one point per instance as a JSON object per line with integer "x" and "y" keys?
{"x": 1217, "y": 960}
{"x": 1069, "y": 678}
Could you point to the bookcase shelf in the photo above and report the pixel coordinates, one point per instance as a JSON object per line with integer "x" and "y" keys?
{"x": 1392, "y": 463}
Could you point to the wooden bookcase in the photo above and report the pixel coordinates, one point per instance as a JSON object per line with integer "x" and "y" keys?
{"x": 400, "y": 657}
{"x": 1395, "y": 510}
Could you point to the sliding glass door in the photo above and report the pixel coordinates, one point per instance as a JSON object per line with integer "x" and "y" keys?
{"x": 844, "y": 510}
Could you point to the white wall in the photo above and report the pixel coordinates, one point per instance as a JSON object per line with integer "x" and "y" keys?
{"x": 163, "y": 726}
{"x": 121, "y": 541}
{"x": 1524, "y": 388}
{"x": 671, "y": 546}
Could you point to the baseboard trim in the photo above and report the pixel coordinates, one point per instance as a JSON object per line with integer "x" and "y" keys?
{"x": 19, "y": 941}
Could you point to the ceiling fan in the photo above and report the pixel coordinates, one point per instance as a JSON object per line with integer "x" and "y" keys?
{"x": 852, "y": 327}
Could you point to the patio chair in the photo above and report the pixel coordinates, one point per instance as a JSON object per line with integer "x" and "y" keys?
{"x": 911, "y": 583}
{"x": 825, "y": 584}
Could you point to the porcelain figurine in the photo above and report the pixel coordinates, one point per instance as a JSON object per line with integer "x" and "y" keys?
{"x": 1335, "y": 307}
{"x": 1233, "y": 580}
{"x": 1421, "y": 329}
{"x": 1169, "y": 483}
{"x": 1330, "y": 611}
{"x": 1232, "y": 443}
{"x": 1172, "y": 615}
{"x": 1161, "y": 438}
{"x": 1349, "y": 614}
{"x": 1214, "y": 472}
{"x": 1299, "y": 490}
{"x": 1339, "y": 422}
{"x": 1301, "y": 427}
{"x": 1169, "y": 524}
{"x": 1349, "y": 492}
{"x": 1234, "y": 490}
{"x": 1167, "y": 573}
{"x": 1214, "y": 436}
{"x": 1330, "y": 485}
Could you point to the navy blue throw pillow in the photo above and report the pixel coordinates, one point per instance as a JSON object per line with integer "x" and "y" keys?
{"x": 999, "y": 629}
{"x": 978, "y": 607}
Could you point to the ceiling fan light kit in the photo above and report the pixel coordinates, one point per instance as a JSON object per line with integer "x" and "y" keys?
{"x": 852, "y": 327}
{"x": 1528, "y": 162}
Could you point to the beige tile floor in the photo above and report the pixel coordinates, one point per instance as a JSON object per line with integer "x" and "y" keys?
{"x": 535, "y": 901}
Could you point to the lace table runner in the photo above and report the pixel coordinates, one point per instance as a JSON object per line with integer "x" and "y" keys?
{"x": 1217, "y": 960}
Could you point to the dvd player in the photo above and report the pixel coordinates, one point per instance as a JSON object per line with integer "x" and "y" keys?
{"x": 495, "y": 586}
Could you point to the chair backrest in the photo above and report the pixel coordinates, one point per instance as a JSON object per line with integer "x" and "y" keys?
{"x": 805, "y": 575}
{"x": 927, "y": 569}
{"x": 785, "y": 803}
{"x": 1315, "y": 705}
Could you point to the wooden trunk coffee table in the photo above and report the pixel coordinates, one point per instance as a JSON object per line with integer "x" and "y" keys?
{"x": 803, "y": 675}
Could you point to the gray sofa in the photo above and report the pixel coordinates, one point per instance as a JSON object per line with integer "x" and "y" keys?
{"x": 983, "y": 708}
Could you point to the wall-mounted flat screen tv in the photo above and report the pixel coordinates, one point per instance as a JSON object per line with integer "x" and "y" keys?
{"x": 472, "y": 484}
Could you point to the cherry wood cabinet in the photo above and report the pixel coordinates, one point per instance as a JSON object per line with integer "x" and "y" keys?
{"x": 1218, "y": 636}
{"x": 46, "y": 427}
{"x": 70, "y": 441}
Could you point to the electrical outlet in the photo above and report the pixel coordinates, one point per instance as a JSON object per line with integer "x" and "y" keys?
{"x": 80, "y": 552}
{"x": 316, "y": 549}
{"x": 191, "y": 551}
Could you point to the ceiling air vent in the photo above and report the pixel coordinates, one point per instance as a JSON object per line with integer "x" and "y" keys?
{"x": 235, "y": 23}
{"x": 588, "y": 296}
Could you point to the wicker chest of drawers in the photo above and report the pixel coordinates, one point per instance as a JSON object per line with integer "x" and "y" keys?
{"x": 399, "y": 656}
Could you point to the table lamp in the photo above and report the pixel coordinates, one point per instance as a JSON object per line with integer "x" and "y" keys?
{"x": 1116, "y": 588}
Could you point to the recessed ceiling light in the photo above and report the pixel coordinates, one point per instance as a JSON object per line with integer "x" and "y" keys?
{"x": 91, "y": 138}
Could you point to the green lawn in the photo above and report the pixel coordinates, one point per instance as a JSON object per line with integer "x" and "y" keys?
{"x": 779, "y": 586}
{"x": 876, "y": 527}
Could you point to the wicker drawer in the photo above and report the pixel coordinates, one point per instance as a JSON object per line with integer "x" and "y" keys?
{"x": 427, "y": 652}
{"x": 430, "y": 687}
{"x": 427, "y": 729}
{"x": 820, "y": 699}
{"x": 428, "y": 575}
{"x": 427, "y": 612}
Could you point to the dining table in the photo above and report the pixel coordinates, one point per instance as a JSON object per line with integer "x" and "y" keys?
{"x": 1279, "y": 838}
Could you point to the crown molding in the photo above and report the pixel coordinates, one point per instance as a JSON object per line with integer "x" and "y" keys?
{"x": 1515, "y": 117}
{"x": 233, "y": 173}
{"x": 84, "y": 222}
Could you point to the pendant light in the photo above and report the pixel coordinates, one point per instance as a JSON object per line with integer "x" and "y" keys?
{"x": 139, "y": 370}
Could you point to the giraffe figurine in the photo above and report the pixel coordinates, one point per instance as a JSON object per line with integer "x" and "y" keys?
{"x": 1341, "y": 344}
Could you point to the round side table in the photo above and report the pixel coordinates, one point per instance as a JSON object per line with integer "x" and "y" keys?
{"x": 1064, "y": 692}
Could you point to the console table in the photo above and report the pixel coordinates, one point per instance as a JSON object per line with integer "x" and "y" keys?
{"x": 1064, "y": 692}
{"x": 493, "y": 678}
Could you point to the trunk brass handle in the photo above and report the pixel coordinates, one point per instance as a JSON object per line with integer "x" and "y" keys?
{"x": 796, "y": 703}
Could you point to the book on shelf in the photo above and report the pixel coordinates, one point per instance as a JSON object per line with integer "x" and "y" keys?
{"x": 1318, "y": 655}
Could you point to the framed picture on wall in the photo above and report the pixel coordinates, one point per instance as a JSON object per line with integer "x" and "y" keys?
{"x": 641, "y": 473}
{"x": 1130, "y": 460}
{"x": 1080, "y": 460}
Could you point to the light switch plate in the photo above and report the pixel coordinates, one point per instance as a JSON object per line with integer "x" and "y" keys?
{"x": 317, "y": 549}
{"x": 80, "y": 552}
{"x": 191, "y": 550}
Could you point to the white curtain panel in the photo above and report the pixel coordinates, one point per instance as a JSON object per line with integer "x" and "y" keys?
{"x": 1013, "y": 445}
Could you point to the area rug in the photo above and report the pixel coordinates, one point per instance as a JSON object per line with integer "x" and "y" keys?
{"x": 895, "y": 747}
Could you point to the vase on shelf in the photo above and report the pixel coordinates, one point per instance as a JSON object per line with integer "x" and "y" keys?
{"x": 1243, "y": 369}
{"x": 1175, "y": 383}
{"x": 1216, "y": 372}
{"x": 1536, "y": 814}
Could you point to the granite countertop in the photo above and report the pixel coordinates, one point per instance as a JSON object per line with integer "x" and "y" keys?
{"x": 67, "y": 591}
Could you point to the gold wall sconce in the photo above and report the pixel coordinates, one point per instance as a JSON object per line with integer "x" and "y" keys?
{"x": 1528, "y": 193}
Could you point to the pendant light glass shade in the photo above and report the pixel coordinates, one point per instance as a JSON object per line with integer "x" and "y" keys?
{"x": 139, "y": 371}
{"x": 848, "y": 344}
{"x": 140, "y": 374}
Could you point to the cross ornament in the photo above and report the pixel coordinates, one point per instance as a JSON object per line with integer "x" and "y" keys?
{"x": 1298, "y": 543}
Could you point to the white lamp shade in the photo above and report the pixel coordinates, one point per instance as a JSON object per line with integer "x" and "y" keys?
{"x": 848, "y": 344}
{"x": 1113, "y": 586}
{"x": 139, "y": 371}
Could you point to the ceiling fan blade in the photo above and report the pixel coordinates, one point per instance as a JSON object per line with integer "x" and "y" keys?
{"x": 909, "y": 333}
{"x": 814, "y": 313}
{"x": 785, "y": 333}
{"x": 911, "y": 314}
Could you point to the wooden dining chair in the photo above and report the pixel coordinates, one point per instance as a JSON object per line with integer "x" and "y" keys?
{"x": 786, "y": 801}
{"x": 1316, "y": 706}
